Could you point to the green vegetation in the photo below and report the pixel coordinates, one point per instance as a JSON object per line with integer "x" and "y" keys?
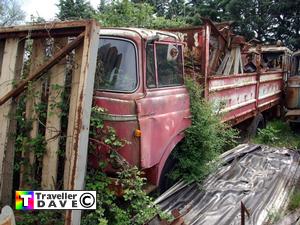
{"x": 135, "y": 206}
{"x": 278, "y": 134}
{"x": 294, "y": 200}
{"x": 265, "y": 20}
{"x": 274, "y": 216}
{"x": 205, "y": 140}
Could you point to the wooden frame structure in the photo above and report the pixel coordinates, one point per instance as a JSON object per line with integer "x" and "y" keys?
{"x": 77, "y": 38}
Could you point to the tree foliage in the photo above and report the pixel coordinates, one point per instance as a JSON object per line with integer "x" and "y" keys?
{"x": 10, "y": 12}
{"x": 75, "y": 9}
{"x": 126, "y": 13}
{"x": 267, "y": 20}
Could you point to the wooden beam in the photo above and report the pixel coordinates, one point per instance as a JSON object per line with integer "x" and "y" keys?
{"x": 53, "y": 124}
{"x": 81, "y": 120}
{"x": 72, "y": 111}
{"x": 33, "y": 98}
{"x": 12, "y": 59}
{"x": 44, "y": 68}
{"x": 236, "y": 60}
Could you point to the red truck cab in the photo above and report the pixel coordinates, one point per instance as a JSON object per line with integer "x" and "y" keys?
{"x": 139, "y": 81}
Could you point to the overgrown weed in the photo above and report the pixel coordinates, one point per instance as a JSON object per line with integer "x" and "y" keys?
{"x": 204, "y": 141}
{"x": 278, "y": 134}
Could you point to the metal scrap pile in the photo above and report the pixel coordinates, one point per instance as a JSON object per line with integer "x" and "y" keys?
{"x": 260, "y": 177}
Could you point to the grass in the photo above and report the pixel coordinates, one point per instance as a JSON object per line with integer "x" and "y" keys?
{"x": 278, "y": 134}
{"x": 294, "y": 202}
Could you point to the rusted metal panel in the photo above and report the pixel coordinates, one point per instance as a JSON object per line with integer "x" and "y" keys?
{"x": 162, "y": 115}
{"x": 259, "y": 176}
{"x": 293, "y": 93}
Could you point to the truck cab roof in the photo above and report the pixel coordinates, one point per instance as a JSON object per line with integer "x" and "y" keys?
{"x": 143, "y": 33}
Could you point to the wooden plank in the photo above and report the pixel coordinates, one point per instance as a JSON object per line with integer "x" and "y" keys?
{"x": 229, "y": 63}
{"x": 41, "y": 70}
{"x": 241, "y": 62}
{"x": 33, "y": 98}
{"x": 44, "y": 30}
{"x": 2, "y": 45}
{"x": 223, "y": 64}
{"x": 8, "y": 74}
{"x": 236, "y": 60}
{"x": 53, "y": 124}
{"x": 82, "y": 117}
{"x": 72, "y": 111}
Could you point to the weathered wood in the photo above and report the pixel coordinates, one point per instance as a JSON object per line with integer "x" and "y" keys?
{"x": 8, "y": 75}
{"x": 53, "y": 123}
{"x": 33, "y": 98}
{"x": 2, "y": 45}
{"x": 72, "y": 111}
{"x": 82, "y": 117}
{"x": 44, "y": 68}
{"x": 44, "y": 30}
{"x": 228, "y": 67}
{"x": 7, "y": 216}
{"x": 223, "y": 64}
{"x": 236, "y": 60}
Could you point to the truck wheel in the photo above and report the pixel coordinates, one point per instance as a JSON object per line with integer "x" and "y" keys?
{"x": 165, "y": 181}
{"x": 257, "y": 122}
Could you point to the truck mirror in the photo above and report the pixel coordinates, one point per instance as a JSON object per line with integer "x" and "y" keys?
{"x": 172, "y": 52}
{"x": 151, "y": 39}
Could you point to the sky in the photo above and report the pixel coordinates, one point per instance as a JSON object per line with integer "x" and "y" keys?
{"x": 44, "y": 8}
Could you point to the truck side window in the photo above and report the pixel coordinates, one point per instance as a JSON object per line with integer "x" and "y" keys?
{"x": 150, "y": 66}
{"x": 116, "y": 65}
{"x": 169, "y": 65}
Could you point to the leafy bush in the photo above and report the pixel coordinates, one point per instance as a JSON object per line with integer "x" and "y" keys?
{"x": 135, "y": 207}
{"x": 268, "y": 135}
{"x": 294, "y": 200}
{"x": 279, "y": 134}
{"x": 204, "y": 140}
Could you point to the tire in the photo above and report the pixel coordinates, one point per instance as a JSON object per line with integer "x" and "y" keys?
{"x": 165, "y": 181}
{"x": 258, "y": 122}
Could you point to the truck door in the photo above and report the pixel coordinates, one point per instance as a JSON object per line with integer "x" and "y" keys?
{"x": 164, "y": 111}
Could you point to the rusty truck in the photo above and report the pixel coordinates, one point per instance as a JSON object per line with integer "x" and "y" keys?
{"x": 292, "y": 98}
{"x": 140, "y": 81}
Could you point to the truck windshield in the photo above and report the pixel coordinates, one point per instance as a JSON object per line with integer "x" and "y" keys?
{"x": 116, "y": 65}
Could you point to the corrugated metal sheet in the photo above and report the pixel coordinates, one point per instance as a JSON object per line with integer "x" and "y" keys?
{"x": 259, "y": 176}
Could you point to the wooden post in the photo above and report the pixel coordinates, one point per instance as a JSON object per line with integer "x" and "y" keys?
{"x": 12, "y": 61}
{"x": 72, "y": 111}
{"x": 53, "y": 124}
{"x": 33, "y": 98}
{"x": 205, "y": 56}
{"x": 81, "y": 117}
